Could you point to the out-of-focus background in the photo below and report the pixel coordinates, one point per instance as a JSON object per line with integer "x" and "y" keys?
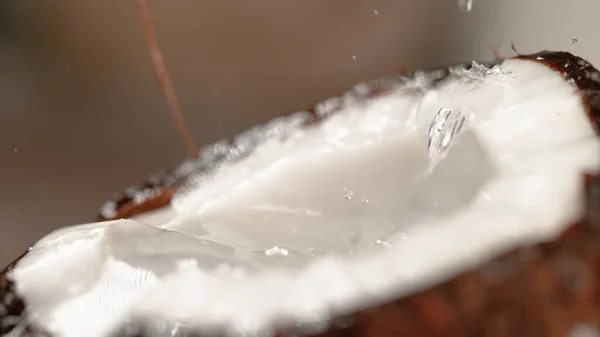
{"x": 82, "y": 115}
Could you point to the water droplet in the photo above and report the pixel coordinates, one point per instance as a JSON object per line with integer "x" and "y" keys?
{"x": 347, "y": 193}
{"x": 376, "y": 12}
{"x": 465, "y": 5}
{"x": 277, "y": 251}
{"x": 16, "y": 150}
{"x": 364, "y": 199}
{"x": 354, "y": 57}
{"x": 539, "y": 58}
{"x": 574, "y": 39}
{"x": 316, "y": 251}
{"x": 403, "y": 236}
{"x": 445, "y": 125}
{"x": 383, "y": 244}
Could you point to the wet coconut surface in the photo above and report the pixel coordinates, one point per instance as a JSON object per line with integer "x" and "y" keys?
{"x": 548, "y": 289}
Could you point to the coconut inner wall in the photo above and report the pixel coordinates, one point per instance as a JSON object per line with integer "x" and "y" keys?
{"x": 382, "y": 198}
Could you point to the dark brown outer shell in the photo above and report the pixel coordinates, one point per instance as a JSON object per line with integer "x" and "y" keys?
{"x": 550, "y": 290}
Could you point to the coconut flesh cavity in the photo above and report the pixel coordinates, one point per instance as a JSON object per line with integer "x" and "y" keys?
{"x": 380, "y": 199}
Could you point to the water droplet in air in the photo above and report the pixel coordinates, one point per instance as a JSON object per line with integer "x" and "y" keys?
{"x": 277, "y": 251}
{"x": 574, "y": 39}
{"x": 445, "y": 125}
{"x": 465, "y": 5}
{"x": 354, "y": 57}
{"x": 347, "y": 193}
{"x": 376, "y": 12}
{"x": 364, "y": 199}
{"x": 16, "y": 150}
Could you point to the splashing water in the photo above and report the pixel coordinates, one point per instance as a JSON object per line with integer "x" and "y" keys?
{"x": 445, "y": 125}
{"x": 478, "y": 72}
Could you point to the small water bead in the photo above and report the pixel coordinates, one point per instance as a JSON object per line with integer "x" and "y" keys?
{"x": 317, "y": 251}
{"x": 277, "y": 251}
{"x": 574, "y": 39}
{"x": 376, "y": 12}
{"x": 364, "y": 199}
{"x": 347, "y": 193}
{"x": 383, "y": 244}
{"x": 354, "y": 57}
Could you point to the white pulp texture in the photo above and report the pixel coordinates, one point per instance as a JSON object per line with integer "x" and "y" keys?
{"x": 325, "y": 219}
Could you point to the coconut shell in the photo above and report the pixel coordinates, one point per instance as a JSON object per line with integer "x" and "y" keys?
{"x": 549, "y": 290}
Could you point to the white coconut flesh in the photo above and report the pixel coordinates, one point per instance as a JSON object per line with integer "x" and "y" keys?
{"x": 380, "y": 199}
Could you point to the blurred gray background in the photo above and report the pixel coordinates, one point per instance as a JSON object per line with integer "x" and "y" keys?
{"x": 82, "y": 115}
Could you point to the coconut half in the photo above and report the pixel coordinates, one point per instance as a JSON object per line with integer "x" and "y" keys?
{"x": 387, "y": 212}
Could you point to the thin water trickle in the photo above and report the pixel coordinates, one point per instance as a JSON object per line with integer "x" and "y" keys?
{"x": 445, "y": 125}
{"x": 465, "y": 5}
